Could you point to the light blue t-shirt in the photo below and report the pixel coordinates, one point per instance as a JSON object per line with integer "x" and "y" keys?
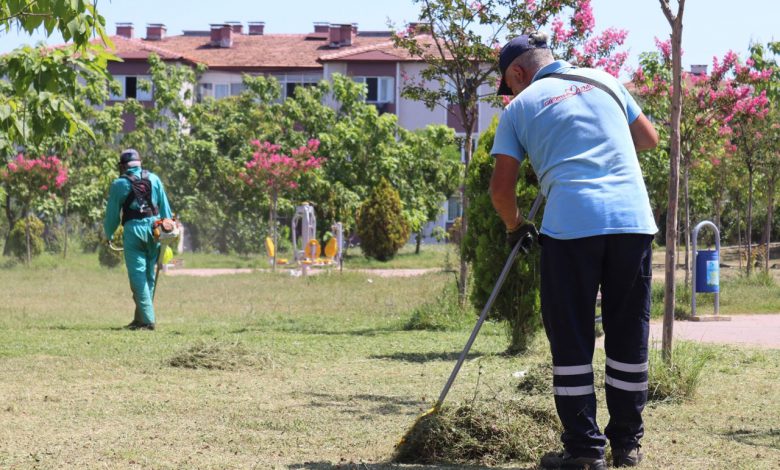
{"x": 579, "y": 144}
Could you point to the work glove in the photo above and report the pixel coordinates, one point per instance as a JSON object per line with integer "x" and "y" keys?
{"x": 524, "y": 232}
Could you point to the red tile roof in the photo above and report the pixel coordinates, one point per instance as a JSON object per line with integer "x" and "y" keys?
{"x": 381, "y": 51}
{"x": 130, "y": 49}
{"x": 269, "y": 51}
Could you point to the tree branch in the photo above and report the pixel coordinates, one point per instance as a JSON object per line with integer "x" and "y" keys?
{"x": 668, "y": 11}
{"x": 22, "y": 13}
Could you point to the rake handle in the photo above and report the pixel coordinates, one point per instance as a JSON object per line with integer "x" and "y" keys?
{"x": 499, "y": 283}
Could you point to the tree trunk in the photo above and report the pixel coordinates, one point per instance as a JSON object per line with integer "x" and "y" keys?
{"x": 738, "y": 210}
{"x": 749, "y": 233}
{"x": 464, "y": 268}
{"x": 11, "y": 217}
{"x": 27, "y": 239}
{"x": 769, "y": 213}
{"x": 687, "y": 221}
{"x": 419, "y": 242}
{"x": 65, "y": 227}
{"x": 676, "y": 22}
{"x": 273, "y": 230}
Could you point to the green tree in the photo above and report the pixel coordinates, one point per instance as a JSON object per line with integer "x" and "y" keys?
{"x": 36, "y": 97}
{"x": 381, "y": 225}
{"x": 457, "y": 41}
{"x": 485, "y": 248}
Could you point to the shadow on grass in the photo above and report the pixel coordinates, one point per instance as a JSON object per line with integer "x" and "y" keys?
{"x": 424, "y": 357}
{"x": 369, "y": 404}
{"x": 391, "y": 466}
{"x": 314, "y": 331}
{"x": 769, "y": 438}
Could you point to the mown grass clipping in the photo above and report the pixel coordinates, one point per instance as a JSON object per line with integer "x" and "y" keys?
{"x": 217, "y": 355}
{"x": 489, "y": 433}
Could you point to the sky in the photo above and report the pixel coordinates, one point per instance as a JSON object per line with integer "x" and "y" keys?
{"x": 710, "y": 27}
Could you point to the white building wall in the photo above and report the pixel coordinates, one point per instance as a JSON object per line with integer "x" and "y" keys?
{"x": 414, "y": 114}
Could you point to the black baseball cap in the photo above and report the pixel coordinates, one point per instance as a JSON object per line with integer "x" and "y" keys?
{"x": 514, "y": 49}
{"x": 130, "y": 157}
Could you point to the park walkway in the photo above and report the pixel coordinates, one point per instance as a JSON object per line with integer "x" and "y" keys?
{"x": 743, "y": 330}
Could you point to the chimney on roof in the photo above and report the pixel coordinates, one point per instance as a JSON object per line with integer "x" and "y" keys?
{"x": 124, "y": 30}
{"x": 256, "y": 28}
{"x": 221, "y": 35}
{"x": 236, "y": 26}
{"x": 155, "y": 31}
{"x": 699, "y": 69}
{"x": 340, "y": 35}
{"x": 334, "y": 35}
{"x": 321, "y": 27}
{"x": 420, "y": 28}
{"x": 346, "y": 34}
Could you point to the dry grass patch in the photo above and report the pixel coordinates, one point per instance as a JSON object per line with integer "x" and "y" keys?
{"x": 218, "y": 355}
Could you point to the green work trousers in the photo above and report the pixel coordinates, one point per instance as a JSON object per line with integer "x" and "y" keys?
{"x": 141, "y": 253}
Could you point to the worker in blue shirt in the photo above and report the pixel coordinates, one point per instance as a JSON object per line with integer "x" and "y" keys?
{"x": 581, "y": 131}
{"x": 138, "y": 195}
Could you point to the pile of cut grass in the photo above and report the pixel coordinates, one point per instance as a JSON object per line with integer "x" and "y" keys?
{"x": 482, "y": 433}
{"x": 217, "y": 355}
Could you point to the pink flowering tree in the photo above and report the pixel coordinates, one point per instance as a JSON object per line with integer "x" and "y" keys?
{"x": 764, "y": 58}
{"x": 274, "y": 173}
{"x": 574, "y": 38}
{"x": 709, "y": 101}
{"x": 30, "y": 180}
{"x": 747, "y": 129}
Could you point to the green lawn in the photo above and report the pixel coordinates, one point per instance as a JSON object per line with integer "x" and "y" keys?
{"x": 443, "y": 256}
{"x": 333, "y": 377}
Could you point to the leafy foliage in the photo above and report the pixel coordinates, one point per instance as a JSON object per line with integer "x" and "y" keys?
{"x": 18, "y": 241}
{"x": 485, "y": 247}
{"x": 382, "y": 228}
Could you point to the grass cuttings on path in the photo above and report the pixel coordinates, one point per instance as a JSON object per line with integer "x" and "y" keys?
{"x": 484, "y": 433}
{"x": 218, "y": 356}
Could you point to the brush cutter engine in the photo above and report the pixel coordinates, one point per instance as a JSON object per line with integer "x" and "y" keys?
{"x": 166, "y": 231}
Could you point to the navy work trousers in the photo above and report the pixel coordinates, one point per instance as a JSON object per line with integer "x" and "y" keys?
{"x": 572, "y": 273}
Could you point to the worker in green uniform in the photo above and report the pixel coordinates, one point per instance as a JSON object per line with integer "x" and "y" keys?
{"x": 138, "y": 195}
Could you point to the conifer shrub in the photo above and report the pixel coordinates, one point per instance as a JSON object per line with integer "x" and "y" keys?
{"x": 381, "y": 225}
{"x": 486, "y": 249}
{"x": 18, "y": 238}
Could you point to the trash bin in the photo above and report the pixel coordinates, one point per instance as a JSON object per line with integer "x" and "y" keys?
{"x": 707, "y": 271}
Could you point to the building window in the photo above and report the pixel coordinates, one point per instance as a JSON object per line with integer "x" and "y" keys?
{"x": 290, "y": 81}
{"x": 221, "y": 90}
{"x": 131, "y": 87}
{"x": 454, "y": 209}
{"x": 236, "y": 89}
{"x": 378, "y": 89}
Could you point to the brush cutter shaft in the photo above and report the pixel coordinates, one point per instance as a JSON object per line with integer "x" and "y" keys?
{"x": 499, "y": 283}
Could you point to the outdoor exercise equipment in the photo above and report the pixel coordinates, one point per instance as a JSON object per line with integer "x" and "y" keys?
{"x": 270, "y": 250}
{"x": 307, "y": 220}
{"x": 705, "y": 273}
{"x": 306, "y": 248}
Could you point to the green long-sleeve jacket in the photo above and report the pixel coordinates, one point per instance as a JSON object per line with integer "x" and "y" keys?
{"x": 121, "y": 189}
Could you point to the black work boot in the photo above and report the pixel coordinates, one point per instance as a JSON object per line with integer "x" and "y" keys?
{"x": 565, "y": 460}
{"x": 626, "y": 457}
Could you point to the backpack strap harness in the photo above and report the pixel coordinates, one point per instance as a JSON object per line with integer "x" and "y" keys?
{"x": 141, "y": 193}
